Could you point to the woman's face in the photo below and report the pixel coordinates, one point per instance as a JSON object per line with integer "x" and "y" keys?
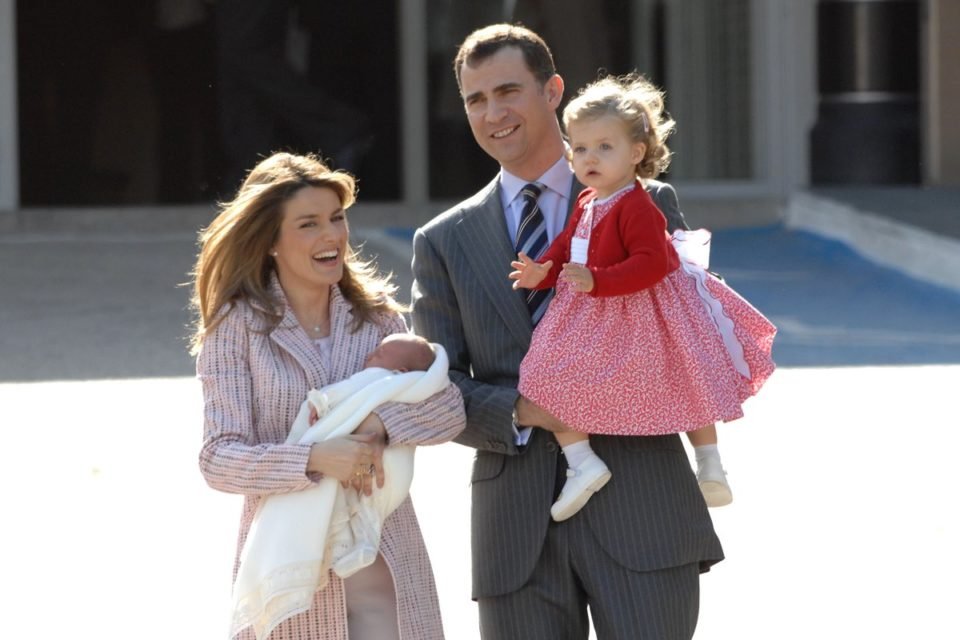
{"x": 313, "y": 238}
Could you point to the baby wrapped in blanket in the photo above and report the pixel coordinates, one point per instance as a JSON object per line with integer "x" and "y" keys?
{"x": 296, "y": 538}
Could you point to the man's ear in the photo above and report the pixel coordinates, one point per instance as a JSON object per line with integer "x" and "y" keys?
{"x": 554, "y": 90}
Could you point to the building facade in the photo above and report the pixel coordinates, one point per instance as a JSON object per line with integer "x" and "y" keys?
{"x": 103, "y": 104}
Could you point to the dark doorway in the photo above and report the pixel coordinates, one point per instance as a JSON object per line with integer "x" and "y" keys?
{"x": 121, "y": 103}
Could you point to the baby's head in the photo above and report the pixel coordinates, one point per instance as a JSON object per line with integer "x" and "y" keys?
{"x": 402, "y": 352}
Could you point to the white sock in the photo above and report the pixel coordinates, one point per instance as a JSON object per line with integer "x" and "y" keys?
{"x": 705, "y": 452}
{"x": 578, "y": 453}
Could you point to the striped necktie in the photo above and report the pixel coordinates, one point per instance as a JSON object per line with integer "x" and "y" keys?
{"x": 532, "y": 240}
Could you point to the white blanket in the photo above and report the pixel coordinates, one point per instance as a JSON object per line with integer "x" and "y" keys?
{"x": 295, "y": 538}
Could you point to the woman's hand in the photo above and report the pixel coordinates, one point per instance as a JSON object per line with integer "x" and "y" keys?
{"x": 372, "y": 425}
{"x": 578, "y": 276}
{"x": 346, "y": 458}
{"x": 528, "y": 273}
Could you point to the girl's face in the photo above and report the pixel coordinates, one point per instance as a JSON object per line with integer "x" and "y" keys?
{"x": 602, "y": 154}
{"x": 313, "y": 240}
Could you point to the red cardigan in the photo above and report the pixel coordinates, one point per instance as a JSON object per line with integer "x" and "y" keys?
{"x": 629, "y": 249}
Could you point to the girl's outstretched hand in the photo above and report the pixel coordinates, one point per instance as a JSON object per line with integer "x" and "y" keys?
{"x": 578, "y": 276}
{"x": 528, "y": 273}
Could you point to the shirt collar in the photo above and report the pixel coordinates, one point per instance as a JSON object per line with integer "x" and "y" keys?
{"x": 558, "y": 178}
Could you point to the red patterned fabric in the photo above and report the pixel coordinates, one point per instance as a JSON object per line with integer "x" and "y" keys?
{"x": 253, "y": 385}
{"x": 648, "y": 362}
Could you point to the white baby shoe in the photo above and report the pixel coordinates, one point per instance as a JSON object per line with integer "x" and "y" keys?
{"x": 713, "y": 482}
{"x": 582, "y": 482}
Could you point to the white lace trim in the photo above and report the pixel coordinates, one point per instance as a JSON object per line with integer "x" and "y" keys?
{"x": 282, "y": 593}
{"x": 721, "y": 320}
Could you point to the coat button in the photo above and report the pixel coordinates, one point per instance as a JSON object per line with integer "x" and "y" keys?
{"x": 551, "y": 446}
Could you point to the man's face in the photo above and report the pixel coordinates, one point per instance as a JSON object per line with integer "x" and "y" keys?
{"x": 512, "y": 116}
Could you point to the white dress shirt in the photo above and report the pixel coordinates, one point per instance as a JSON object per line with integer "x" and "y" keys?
{"x": 554, "y": 200}
{"x": 554, "y": 203}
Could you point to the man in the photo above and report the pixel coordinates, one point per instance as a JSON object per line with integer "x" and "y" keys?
{"x": 635, "y": 551}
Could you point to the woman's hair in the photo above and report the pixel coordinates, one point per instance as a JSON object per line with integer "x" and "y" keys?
{"x": 234, "y": 261}
{"x": 485, "y": 42}
{"x": 636, "y": 101}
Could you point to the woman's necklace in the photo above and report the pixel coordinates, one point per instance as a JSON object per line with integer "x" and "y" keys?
{"x": 320, "y": 327}
{"x": 316, "y": 326}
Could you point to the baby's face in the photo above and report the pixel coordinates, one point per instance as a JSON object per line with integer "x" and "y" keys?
{"x": 395, "y": 355}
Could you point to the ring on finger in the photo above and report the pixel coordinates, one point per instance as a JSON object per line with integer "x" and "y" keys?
{"x": 371, "y": 470}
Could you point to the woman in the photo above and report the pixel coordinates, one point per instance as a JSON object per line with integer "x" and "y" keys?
{"x": 285, "y": 306}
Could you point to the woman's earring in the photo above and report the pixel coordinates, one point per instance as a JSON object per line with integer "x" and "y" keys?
{"x": 273, "y": 253}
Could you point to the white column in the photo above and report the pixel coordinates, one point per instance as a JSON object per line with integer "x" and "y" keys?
{"x": 784, "y": 91}
{"x": 710, "y": 87}
{"x": 641, "y": 44}
{"x": 941, "y": 93}
{"x": 9, "y": 146}
{"x": 413, "y": 99}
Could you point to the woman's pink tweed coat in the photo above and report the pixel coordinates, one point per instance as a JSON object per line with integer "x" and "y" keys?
{"x": 253, "y": 384}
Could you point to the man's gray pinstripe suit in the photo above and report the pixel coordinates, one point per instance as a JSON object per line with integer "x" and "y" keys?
{"x": 650, "y": 518}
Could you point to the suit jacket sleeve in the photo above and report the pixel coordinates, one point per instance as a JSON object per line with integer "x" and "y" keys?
{"x": 665, "y": 197}
{"x": 437, "y": 316}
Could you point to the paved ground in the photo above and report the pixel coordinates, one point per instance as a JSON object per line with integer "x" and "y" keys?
{"x": 844, "y": 524}
{"x": 935, "y": 209}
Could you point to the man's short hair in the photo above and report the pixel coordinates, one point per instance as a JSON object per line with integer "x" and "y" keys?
{"x": 485, "y": 42}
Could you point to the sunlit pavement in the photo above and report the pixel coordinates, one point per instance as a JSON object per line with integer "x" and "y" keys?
{"x": 844, "y": 523}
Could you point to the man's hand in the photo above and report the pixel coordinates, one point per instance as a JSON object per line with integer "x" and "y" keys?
{"x": 532, "y": 415}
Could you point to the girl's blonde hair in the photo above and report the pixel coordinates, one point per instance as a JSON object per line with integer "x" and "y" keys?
{"x": 636, "y": 101}
{"x": 234, "y": 261}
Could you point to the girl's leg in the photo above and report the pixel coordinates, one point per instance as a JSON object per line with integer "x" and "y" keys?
{"x": 710, "y": 473}
{"x": 571, "y": 437}
{"x": 576, "y": 447}
{"x": 703, "y": 435}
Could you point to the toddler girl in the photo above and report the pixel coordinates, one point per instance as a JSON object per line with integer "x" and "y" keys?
{"x": 637, "y": 341}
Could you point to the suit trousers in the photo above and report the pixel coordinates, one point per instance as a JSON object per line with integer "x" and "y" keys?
{"x": 573, "y": 572}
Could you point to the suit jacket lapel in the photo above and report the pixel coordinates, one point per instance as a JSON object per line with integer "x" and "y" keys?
{"x": 488, "y": 222}
{"x": 486, "y": 226}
